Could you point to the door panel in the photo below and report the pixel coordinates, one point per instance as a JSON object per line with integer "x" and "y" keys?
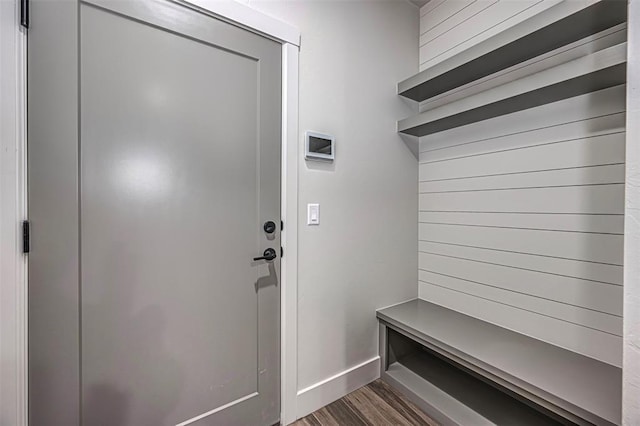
{"x": 178, "y": 168}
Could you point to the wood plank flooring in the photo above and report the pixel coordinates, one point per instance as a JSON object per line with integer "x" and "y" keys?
{"x": 376, "y": 404}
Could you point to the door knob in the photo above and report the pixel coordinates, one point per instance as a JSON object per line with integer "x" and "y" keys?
{"x": 268, "y": 255}
{"x": 269, "y": 227}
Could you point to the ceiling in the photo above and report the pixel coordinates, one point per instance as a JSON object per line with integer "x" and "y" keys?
{"x": 419, "y": 3}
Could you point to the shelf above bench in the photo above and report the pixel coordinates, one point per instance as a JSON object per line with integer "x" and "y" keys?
{"x": 553, "y": 28}
{"x": 600, "y": 70}
{"x": 554, "y": 378}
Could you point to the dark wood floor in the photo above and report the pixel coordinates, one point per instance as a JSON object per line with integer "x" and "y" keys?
{"x": 376, "y": 404}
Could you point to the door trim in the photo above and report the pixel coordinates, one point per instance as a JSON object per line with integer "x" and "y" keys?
{"x": 13, "y": 210}
{"x": 250, "y": 19}
{"x": 289, "y": 237}
{"x": 13, "y": 196}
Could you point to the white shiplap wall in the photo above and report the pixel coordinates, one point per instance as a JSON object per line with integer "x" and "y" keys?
{"x": 521, "y": 216}
{"x": 448, "y": 27}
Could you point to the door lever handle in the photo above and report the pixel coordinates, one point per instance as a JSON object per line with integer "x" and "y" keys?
{"x": 268, "y": 255}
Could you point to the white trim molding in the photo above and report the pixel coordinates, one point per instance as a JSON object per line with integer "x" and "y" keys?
{"x": 335, "y": 387}
{"x": 289, "y": 265}
{"x": 13, "y": 191}
{"x": 249, "y": 18}
{"x": 631, "y": 318}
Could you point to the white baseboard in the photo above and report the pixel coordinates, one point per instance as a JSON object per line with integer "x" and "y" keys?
{"x": 328, "y": 390}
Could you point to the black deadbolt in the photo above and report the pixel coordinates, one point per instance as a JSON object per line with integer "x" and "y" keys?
{"x": 269, "y": 227}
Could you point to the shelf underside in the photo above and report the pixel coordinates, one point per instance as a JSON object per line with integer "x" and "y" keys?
{"x": 513, "y": 47}
{"x": 599, "y": 80}
{"x": 455, "y": 396}
{"x": 600, "y": 70}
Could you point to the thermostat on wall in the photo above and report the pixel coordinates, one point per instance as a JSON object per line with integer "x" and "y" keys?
{"x": 318, "y": 146}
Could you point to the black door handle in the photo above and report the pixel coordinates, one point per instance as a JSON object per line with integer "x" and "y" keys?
{"x": 268, "y": 255}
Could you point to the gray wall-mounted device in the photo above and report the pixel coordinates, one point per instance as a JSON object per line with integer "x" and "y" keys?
{"x": 318, "y": 146}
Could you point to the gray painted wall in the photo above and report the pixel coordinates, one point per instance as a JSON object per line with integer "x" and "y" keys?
{"x": 521, "y": 217}
{"x": 362, "y": 256}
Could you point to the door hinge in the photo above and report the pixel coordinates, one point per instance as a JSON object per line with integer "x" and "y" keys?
{"x": 281, "y": 252}
{"x": 24, "y": 13}
{"x": 282, "y": 225}
{"x": 26, "y": 237}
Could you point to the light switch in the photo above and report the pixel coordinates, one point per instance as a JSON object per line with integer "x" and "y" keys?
{"x": 313, "y": 214}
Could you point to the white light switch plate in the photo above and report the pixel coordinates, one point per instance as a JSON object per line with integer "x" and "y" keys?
{"x": 313, "y": 214}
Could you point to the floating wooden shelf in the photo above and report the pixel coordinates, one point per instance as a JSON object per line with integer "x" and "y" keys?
{"x": 553, "y": 28}
{"x": 561, "y": 381}
{"x": 600, "y": 70}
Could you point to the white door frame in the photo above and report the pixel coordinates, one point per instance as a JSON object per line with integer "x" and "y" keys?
{"x": 631, "y": 353}
{"x": 13, "y": 203}
{"x": 13, "y": 197}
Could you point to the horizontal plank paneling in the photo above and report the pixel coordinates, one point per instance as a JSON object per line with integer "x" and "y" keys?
{"x": 597, "y": 104}
{"x": 521, "y": 216}
{"x": 605, "y": 298}
{"x": 587, "y": 151}
{"x": 597, "y": 126}
{"x": 600, "y": 272}
{"x": 594, "y": 199}
{"x": 430, "y": 6}
{"x": 445, "y": 12}
{"x": 602, "y": 248}
{"x": 602, "y": 346}
{"x": 594, "y": 175}
{"x": 430, "y": 32}
{"x": 489, "y": 17}
{"x": 483, "y": 25}
{"x": 603, "y": 224}
{"x": 607, "y": 323}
